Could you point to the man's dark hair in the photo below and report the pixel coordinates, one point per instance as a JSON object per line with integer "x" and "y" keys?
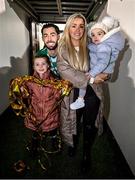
{"x": 48, "y": 25}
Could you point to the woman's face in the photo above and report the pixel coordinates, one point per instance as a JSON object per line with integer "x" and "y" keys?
{"x": 76, "y": 30}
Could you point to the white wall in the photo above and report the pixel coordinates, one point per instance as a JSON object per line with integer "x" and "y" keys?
{"x": 122, "y": 92}
{"x": 14, "y": 42}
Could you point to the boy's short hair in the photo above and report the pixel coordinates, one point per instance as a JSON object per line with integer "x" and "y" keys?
{"x": 44, "y": 57}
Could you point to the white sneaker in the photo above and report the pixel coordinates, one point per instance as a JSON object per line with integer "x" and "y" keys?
{"x": 79, "y": 103}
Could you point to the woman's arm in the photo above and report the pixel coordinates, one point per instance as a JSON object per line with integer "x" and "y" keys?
{"x": 77, "y": 78}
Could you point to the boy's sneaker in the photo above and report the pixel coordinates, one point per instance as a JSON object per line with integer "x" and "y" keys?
{"x": 79, "y": 103}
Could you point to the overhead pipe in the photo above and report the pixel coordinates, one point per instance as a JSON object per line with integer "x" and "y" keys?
{"x": 59, "y": 7}
{"x": 27, "y": 8}
{"x": 95, "y": 8}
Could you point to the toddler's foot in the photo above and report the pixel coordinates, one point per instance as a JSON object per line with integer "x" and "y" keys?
{"x": 79, "y": 103}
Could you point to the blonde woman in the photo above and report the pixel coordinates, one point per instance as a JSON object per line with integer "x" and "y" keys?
{"x": 72, "y": 65}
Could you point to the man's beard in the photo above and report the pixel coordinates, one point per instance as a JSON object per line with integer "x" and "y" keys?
{"x": 52, "y": 47}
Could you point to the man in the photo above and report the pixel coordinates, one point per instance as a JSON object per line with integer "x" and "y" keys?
{"x": 50, "y": 36}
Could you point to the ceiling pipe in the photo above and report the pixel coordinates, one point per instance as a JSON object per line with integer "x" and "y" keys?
{"x": 96, "y": 7}
{"x": 26, "y": 8}
{"x": 59, "y": 7}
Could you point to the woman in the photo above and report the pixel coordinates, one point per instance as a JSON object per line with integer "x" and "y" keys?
{"x": 72, "y": 65}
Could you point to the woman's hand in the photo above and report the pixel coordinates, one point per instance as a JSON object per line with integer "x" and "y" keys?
{"x": 100, "y": 78}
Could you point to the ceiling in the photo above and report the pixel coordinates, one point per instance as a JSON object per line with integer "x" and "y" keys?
{"x": 57, "y": 11}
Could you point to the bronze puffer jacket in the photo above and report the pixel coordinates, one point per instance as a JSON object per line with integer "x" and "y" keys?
{"x": 42, "y": 101}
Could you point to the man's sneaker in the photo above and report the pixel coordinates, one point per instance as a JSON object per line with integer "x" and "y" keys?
{"x": 79, "y": 103}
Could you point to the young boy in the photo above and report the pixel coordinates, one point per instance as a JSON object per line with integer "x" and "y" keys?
{"x": 107, "y": 42}
{"x": 38, "y": 98}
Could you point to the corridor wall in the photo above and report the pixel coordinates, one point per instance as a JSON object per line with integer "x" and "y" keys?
{"x": 121, "y": 97}
{"x": 14, "y": 47}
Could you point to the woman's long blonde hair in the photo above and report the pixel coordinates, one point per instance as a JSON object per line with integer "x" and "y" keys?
{"x": 65, "y": 42}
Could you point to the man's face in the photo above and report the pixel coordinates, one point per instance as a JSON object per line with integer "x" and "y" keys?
{"x": 50, "y": 38}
